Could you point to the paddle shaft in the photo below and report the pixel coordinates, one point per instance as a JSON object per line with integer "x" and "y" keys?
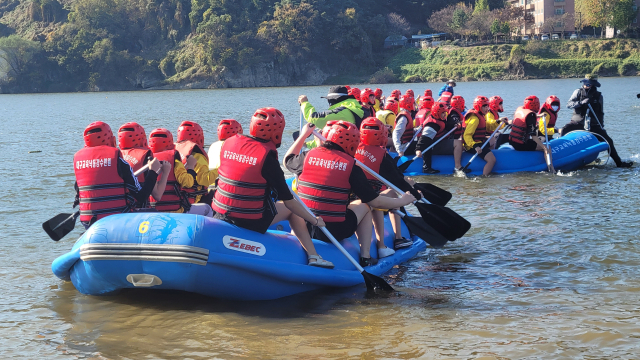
{"x": 435, "y": 143}
{"x": 483, "y": 145}
{"x": 329, "y": 236}
{"x": 595, "y": 116}
{"x": 77, "y": 213}
{"x": 405, "y": 146}
{"x": 547, "y": 156}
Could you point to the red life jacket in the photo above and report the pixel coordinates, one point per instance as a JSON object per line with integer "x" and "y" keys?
{"x": 371, "y": 156}
{"x": 407, "y": 135}
{"x": 324, "y": 183}
{"x": 102, "y": 192}
{"x": 481, "y": 130}
{"x": 137, "y": 157}
{"x": 523, "y": 120}
{"x": 495, "y": 114}
{"x": 241, "y": 190}
{"x": 421, "y": 117}
{"x": 439, "y": 123}
{"x": 172, "y": 198}
{"x": 551, "y": 122}
{"x": 458, "y": 132}
{"x": 186, "y": 148}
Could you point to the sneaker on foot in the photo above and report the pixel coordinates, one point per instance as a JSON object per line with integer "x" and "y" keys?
{"x": 364, "y": 262}
{"x": 626, "y": 164}
{"x": 430, "y": 171}
{"x": 384, "y": 252}
{"x": 401, "y": 243}
{"x": 466, "y": 171}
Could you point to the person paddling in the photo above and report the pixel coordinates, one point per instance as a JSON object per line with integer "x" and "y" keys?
{"x": 403, "y": 131}
{"x": 226, "y": 129}
{"x": 423, "y": 113}
{"x": 371, "y": 152}
{"x": 342, "y": 106}
{"x": 475, "y": 133}
{"x": 495, "y": 121}
{"x": 524, "y": 131}
{"x": 367, "y": 101}
{"x": 105, "y": 183}
{"x": 580, "y": 100}
{"x": 251, "y": 182}
{"x": 327, "y": 175}
{"x": 435, "y": 127}
{"x": 180, "y": 176}
{"x": 388, "y": 117}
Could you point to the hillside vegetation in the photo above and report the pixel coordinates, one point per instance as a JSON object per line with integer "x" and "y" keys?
{"x": 535, "y": 59}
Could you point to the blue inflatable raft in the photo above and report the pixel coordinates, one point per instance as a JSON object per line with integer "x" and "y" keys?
{"x": 569, "y": 152}
{"x": 207, "y": 256}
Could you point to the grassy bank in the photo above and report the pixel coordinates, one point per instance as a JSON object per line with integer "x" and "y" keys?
{"x": 533, "y": 60}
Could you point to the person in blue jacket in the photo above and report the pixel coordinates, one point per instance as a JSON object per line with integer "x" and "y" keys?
{"x": 447, "y": 87}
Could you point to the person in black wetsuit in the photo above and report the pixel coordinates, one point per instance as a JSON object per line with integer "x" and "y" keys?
{"x": 579, "y": 102}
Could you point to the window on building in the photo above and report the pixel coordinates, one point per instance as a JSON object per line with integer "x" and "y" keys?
{"x": 559, "y": 0}
{"x": 635, "y": 21}
{"x": 634, "y": 8}
{"x": 559, "y": 11}
{"x": 559, "y": 24}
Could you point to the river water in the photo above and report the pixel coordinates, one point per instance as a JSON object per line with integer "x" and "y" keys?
{"x": 550, "y": 268}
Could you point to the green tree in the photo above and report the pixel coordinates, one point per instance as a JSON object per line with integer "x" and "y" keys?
{"x": 623, "y": 14}
{"x": 16, "y": 53}
{"x": 481, "y": 6}
{"x": 496, "y": 27}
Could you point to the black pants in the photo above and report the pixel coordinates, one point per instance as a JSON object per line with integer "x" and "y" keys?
{"x": 573, "y": 126}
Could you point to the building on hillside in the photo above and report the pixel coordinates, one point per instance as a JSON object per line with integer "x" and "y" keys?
{"x": 395, "y": 40}
{"x": 426, "y": 40}
{"x": 550, "y": 16}
{"x": 611, "y": 32}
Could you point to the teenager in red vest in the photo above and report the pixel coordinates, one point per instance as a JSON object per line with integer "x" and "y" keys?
{"x": 327, "y": 175}
{"x": 371, "y": 152}
{"x": 403, "y": 131}
{"x": 456, "y": 116}
{"x": 524, "y": 130}
{"x": 174, "y": 199}
{"x": 549, "y": 112}
{"x": 105, "y": 184}
{"x": 475, "y": 133}
{"x": 226, "y": 129}
{"x": 250, "y": 173}
{"x": 435, "y": 127}
{"x": 191, "y": 143}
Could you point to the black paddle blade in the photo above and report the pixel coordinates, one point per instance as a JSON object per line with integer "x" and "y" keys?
{"x": 296, "y": 135}
{"x": 405, "y": 165}
{"x": 444, "y": 220}
{"x": 375, "y": 282}
{"x": 422, "y": 230}
{"x": 434, "y": 194}
{"x": 60, "y": 225}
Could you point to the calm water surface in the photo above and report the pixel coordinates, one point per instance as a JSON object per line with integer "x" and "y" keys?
{"x": 550, "y": 268}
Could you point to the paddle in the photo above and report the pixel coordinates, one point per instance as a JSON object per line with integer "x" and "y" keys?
{"x": 373, "y": 282}
{"x": 463, "y": 170}
{"x": 547, "y": 153}
{"x": 434, "y": 194}
{"x": 638, "y": 96}
{"x": 60, "y": 225}
{"x": 444, "y": 220}
{"x": 405, "y": 165}
{"x": 422, "y": 230}
{"x": 595, "y": 116}
{"x": 406, "y": 146}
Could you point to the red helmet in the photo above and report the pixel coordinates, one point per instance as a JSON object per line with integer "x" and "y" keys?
{"x": 532, "y": 103}
{"x": 426, "y": 102}
{"x": 355, "y": 92}
{"x": 190, "y": 130}
{"x": 268, "y": 124}
{"x": 327, "y": 127}
{"x": 495, "y": 104}
{"x": 392, "y": 105}
{"x": 373, "y": 132}
{"x": 364, "y": 96}
{"x": 479, "y": 102}
{"x": 457, "y": 102}
{"x": 406, "y": 102}
{"x": 551, "y": 100}
{"x": 99, "y": 133}
{"x": 410, "y": 92}
{"x": 346, "y": 135}
{"x": 161, "y": 140}
{"x": 348, "y": 87}
{"x": 228, "y": 128}
{"x": 131, "y": 135}
{"x": 396, "y": 94}
{"x": 378, "y": 93}
{"x": 437, "y": 109}
{"x": 428, "y": 93}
